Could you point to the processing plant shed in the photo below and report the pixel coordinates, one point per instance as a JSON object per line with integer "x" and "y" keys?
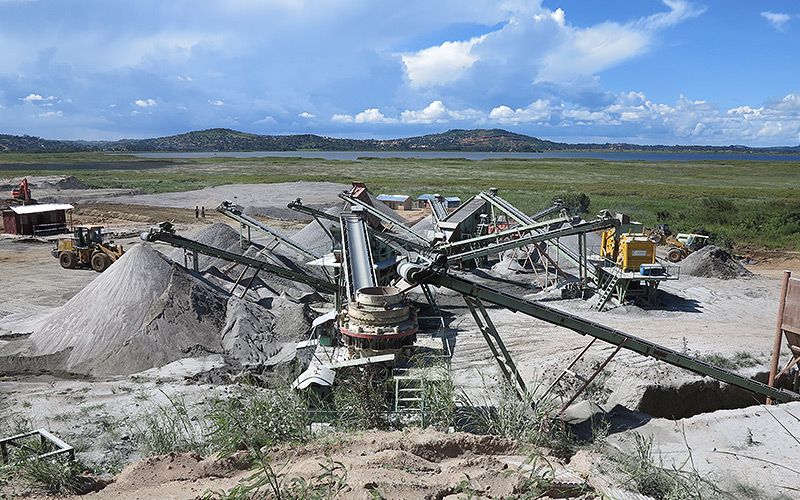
{"x": 37, "y": 220}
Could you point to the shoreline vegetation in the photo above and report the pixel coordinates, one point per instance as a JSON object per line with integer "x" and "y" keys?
{"x": 456, "y": 140}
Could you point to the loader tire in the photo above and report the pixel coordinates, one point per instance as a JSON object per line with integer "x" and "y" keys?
{"x": 100, "y": 262}
{"x": 674, "y": 255}
{"x": 68, "y": 260}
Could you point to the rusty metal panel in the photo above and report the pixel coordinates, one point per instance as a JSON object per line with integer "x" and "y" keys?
{"x": 791, "y": 313}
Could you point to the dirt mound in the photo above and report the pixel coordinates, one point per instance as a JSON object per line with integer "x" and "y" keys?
{"x": 714, "y": 262}
{"x": 158, "y": 470}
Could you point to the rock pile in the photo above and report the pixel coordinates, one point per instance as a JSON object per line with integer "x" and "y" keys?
{"x": 146, "y": 311}
{"x": 713, "y": 262}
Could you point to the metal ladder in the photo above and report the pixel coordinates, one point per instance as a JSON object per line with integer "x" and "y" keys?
{"x": 606, "y": 292}
{"x": 408, "y": 393}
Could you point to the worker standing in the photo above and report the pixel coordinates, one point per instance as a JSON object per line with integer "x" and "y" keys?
{"x": 203, "y": 212}
{"x": 196, "y": 212}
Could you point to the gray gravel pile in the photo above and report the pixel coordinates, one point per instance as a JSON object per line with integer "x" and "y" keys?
{"x": 145, "y": 312}
{"x": 714, "y": 262}
{"x": 217, "y": 235}
{"x": 314, "y": 237}
{"x": 108, "y": 311}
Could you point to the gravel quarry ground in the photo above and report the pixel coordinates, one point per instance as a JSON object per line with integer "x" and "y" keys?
{"x": 98, "y": 411}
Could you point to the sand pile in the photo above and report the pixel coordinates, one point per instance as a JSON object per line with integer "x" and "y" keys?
{"x": 713, "y": 262}
{"x": 145, "y": 312}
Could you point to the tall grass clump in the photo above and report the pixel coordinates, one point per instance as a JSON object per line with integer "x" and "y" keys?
{"x": 648, "y": 476}
{"x": 170, "y": 428}
{"x": 359, "y": 400}
{"x": 256, "y": 419}
{"x": 501, "y": 411}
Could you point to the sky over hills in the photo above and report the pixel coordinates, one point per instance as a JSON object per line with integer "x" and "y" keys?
{"x": 644, "y": 71}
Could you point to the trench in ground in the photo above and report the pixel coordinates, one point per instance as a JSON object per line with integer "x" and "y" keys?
{"x": 702, "y": 396}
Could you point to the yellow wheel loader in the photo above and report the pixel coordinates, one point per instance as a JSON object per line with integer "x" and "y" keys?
{"x": 86, "y": 248}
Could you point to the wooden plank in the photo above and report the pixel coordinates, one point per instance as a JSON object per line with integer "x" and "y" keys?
{"x": 791, "y": 313}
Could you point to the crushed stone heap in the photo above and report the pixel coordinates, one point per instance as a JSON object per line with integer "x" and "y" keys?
{"x": 713, "y": 262}
{"x": 145, "y": 312}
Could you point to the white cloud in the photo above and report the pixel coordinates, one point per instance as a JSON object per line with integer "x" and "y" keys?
{"x": 37, "y": 98}
{"x": 538, "y": 44}
{"x": 537, "y": 111}
{"x": 342, "y": 118}
{"x": 267, "y": 120}
{"x": 216, "y": 102}
{"x": 372, "y": 115}
{"x": 440, "y": 64}
{"x": 306, "y": 115}
{"x": 145, "y": 103}
{"x": 778, "y": 20}
{"x": 51, "y": 114}
{"x": 435, "y": 112}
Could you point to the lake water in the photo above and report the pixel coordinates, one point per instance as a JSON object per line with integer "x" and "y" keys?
{"x": 353, "y": 155}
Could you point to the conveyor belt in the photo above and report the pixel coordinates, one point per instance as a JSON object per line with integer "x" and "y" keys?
{"x": 522, "y": 218}
{"x": 358, "y": 255}
{"x": 235, "y": 213}
{"x": 166, "y": 234}
{"x": 536, "y": 235}
{"x": 585, "y": 327}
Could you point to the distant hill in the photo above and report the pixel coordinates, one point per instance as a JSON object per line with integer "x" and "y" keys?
{"x": 220, "y": 139}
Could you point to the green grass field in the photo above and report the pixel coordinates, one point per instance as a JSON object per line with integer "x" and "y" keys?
{"x": 746, "y": 205}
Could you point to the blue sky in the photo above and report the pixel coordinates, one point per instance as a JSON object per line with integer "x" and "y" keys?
{"x": 668, "y": 72}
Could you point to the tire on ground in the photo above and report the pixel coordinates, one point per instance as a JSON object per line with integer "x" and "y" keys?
{"x": 68, "y": 260}
{"x": 674, "y": 255}
{"x": 100, "y": 262}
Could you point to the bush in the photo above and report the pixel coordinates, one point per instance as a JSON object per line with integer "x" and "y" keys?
{"x": 267, "y": 482}
{"x": 654, "y": 480}
{"x": 59, "y": 476}
{"x": 502, "y": 412}
{"x": 170, "y": 428}
{"x": 256, "y": 419}
{"x": 575, "y": 202}
{"x": 717, "y": 209}
{"x": 360, "y": 401}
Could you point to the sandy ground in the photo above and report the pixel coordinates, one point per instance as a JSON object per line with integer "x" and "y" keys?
{"x": 268, "y": 199}
{"x": 700, "y": 316}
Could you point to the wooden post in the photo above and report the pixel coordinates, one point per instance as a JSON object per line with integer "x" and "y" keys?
{"x": 776, "y": 346}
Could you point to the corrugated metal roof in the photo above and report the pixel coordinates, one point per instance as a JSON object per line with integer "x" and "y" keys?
{"x": 37, "y": 209}
{"x": 392, "y": 197}
{"x": 425, "y": 197}
{"x": 452, "y": 198}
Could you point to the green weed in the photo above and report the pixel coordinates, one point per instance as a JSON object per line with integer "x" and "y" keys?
{"x": 170, "y": 428}
{"x": 256, "y": 419}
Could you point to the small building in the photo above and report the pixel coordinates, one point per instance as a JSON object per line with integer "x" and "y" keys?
{"x": 452, "y": 201}
{"x": 37, "y": 220}
{"x": 423, "y": 200}
{"x": 396, "y": 201}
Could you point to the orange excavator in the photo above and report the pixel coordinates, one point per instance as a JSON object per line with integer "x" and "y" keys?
{"x": 21, "y": 195}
